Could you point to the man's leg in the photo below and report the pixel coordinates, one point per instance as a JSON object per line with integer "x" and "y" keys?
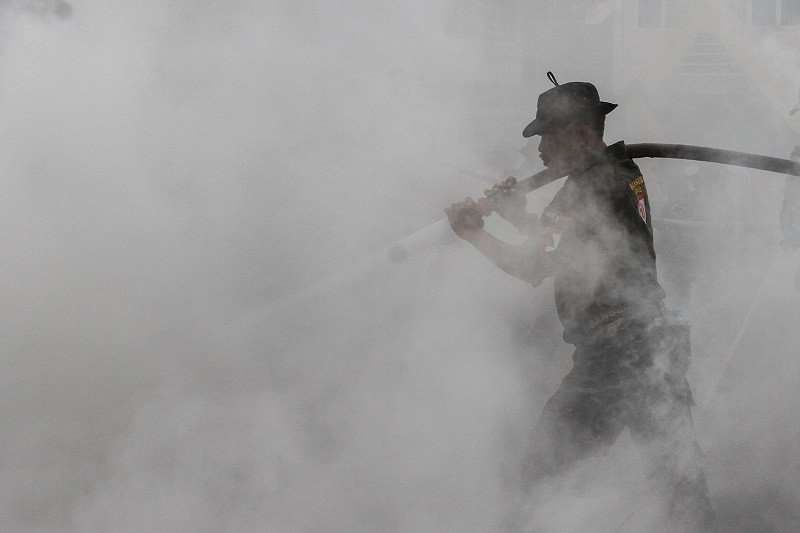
{"x": 664, "y": 433}
{"x": 577, "y": 421}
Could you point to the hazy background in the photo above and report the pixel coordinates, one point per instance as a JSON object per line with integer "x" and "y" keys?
{"x": 175, "y": 173}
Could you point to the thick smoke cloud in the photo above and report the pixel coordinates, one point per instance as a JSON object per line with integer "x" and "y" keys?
{"x": 176, "y": 174}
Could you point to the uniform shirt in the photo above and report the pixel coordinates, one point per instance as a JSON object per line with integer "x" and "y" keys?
{"x": 604, "y": 264}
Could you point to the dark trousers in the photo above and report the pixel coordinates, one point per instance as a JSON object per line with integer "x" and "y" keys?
{"x": 627, "y": 378}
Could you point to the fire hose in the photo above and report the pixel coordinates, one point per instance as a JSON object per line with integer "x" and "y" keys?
{"x": 670, "y": 151}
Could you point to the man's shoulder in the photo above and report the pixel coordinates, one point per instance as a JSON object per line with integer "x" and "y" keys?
{"x": 617, "y": 157}
{"x": 615, "y": 175}
{"x": 623, "y": 173}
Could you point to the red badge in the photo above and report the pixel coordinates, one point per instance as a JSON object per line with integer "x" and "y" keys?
{"x": 642, "y": 207}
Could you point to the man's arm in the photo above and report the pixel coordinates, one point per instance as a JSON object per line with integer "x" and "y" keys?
{"x": 526, "y": 262}
{"x": 529, "y": 262}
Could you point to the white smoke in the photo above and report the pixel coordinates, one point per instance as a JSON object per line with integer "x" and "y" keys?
{"x": 174, "y": 172}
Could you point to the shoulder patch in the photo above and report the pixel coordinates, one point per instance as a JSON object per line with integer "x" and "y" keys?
{"x": 636, "y": 185}
{"x": 642, "y": 206}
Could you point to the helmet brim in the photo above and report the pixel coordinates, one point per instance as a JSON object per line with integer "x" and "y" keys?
{"x": 544, "y": 124}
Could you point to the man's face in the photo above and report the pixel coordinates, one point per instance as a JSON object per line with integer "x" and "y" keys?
{"x": 563, "y": 148}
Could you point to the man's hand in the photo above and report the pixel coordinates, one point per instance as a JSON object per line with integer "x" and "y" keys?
{"x": 465, "y": 218}
{"x": 509, "y": 202}
{"x": 524, "y": 262}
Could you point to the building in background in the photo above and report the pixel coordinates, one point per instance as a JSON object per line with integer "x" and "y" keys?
{"x": 708, "y": 57}
{"x": 700, "y": 58}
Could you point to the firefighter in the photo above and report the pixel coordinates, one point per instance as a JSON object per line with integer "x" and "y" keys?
{"x": 595, "y": 239}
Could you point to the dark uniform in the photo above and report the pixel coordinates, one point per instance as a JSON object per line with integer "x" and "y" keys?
{"x": 629, "y": 362}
